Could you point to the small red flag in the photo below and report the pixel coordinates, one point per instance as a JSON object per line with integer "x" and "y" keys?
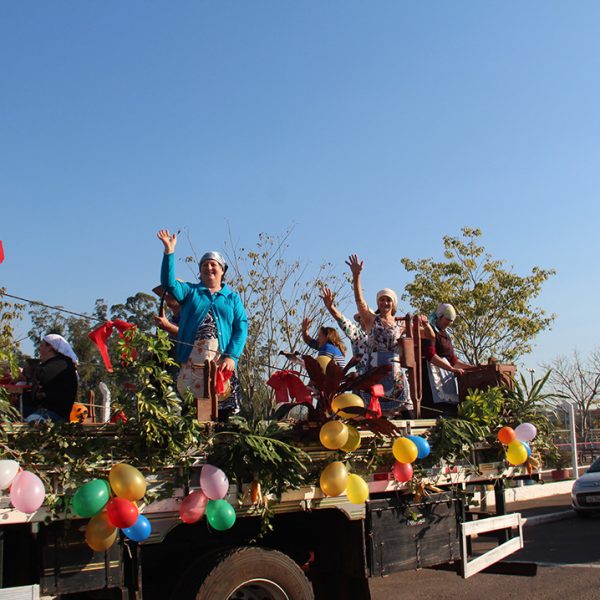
{"x": 1, "y": 252}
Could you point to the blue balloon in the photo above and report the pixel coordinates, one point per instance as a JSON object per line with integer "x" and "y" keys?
{"x": 422, "y": 445}
{"x": 139, "y": 531}
{"x": 528, "y": 448}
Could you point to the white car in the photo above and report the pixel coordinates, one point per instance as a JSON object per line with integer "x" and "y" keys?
{"x": 585, "y": 495}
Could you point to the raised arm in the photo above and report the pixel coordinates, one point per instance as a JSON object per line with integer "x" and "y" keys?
{"x": 177, "y": 289}
{"x": 328, "y": 300}
{"x": 367, "y": 317}
{"x": 310, "y": 342}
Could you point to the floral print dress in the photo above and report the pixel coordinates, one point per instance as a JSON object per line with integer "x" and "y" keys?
{"x": 384, "y": 349}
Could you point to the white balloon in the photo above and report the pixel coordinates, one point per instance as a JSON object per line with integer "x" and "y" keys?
{"x": 525, "y": 432}
{"x": 9, "y": 469}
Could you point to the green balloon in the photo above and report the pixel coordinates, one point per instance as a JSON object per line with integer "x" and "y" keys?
{"x": 220, "y": 514}
{"x": 91, "y": 498}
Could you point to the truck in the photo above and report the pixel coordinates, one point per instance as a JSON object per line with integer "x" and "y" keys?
{"x": 296, "y": 544}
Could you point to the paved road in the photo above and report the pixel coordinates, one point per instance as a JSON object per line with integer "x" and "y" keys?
{"x": 567, "y": 552}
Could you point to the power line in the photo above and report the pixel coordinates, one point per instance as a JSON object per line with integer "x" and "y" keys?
{"x": 57, "y": 308}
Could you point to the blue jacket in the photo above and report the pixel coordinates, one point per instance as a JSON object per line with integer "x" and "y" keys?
{"x": 196, "y": 300}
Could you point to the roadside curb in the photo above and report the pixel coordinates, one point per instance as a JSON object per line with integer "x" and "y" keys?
{"x": 548, "y": 518}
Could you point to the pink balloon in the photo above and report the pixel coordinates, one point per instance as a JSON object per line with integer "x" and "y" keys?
{"x": 193, "y": 507}
{"x": 403, "y": 472}
{"x": 214, "y": 482}
{"x": 27, "y": 492}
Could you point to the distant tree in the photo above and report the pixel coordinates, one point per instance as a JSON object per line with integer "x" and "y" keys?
{"x": 277, "y": 293}
{"x": 577, "y": 379}
{"x": 496, "y": 317}
{"x": 139, "y": 310}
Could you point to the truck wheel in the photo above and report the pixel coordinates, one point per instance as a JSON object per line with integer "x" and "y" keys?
{"x": 254, "y": 574}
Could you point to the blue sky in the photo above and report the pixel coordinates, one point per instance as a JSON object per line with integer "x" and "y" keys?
{"x": 371, "y": 127}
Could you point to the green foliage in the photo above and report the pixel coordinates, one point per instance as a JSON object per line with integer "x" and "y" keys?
{"x": 256, "y": 450}
{"x": 156, "y": 435}
{"x": 482, "y": 407}
{"x": 483, "y": 413}
{"x": 9, "y": 313}
{"x": 494, "y": 304}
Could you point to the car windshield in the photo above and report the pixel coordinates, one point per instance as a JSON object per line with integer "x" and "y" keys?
{"x": 595, "y": 468}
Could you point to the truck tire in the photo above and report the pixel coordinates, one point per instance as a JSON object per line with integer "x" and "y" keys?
{"x": 250, "y": 573}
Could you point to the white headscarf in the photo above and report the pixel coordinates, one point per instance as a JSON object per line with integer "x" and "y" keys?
{"x": 445, "y": 310}
{"x": 61, "y": 345}
{"x": 390, "y": 294}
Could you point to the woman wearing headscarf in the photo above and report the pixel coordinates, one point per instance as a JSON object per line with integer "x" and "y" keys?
{"x": 440, "y": 364}
{"x": 54, "y": 381}
{"x": 383, "y": 338}
{"x": 212, "y": 324}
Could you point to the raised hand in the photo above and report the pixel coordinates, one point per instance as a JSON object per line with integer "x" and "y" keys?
{"x": 328, "y": 298}
{"x": 306, "y": 324}
{"x": 356, "y": 265}
{"x": 169, "y": 241}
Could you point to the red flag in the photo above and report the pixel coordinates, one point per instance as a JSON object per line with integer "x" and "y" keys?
{"x": 102, "y": 333}
{"x": 376, "y": 393}
{"x": 1, "y": 252}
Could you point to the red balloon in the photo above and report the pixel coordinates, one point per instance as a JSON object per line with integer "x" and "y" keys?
{"x": 121, "y": 512}
{"x": 193, "y": 507}
{"x": 506, "y": 435}
{"x": 403, "y": 471}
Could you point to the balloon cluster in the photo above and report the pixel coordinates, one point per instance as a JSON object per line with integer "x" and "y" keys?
{"x": 209, "y": 500}
{"x": 406, "y": 450}
{"x": 93, "y": 499}
{"x": 27, "y": 491}
{"x": 517, "y": 442}
{"x": 336, "y": 480}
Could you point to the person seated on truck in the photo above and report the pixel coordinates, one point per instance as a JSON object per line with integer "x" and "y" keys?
{"x": 440, "y": 364}
{"x": 55, "y": 381}
{"x": 354, "y": 332}
{"x": 327, "y": 342}
{"x": 213, "y": 324}
{"x": 383, "y": 339}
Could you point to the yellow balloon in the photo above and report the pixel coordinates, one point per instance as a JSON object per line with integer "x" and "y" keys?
{"x": 127, "y": 482}
{"x": 357, "y": 489}
{"x": 516, "y": 453}
{"x": 100, "y": 535}
{"x": 353, "y": 442}
{"x": 405, "y": 450}
{"x": 333, "y": 435}
{"x": 323, "y": 361}
{"x": 345, "y": 401}
{"x": 334, "y": 478}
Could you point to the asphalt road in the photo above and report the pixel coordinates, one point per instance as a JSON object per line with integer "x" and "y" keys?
{"x": 567, "y": 552}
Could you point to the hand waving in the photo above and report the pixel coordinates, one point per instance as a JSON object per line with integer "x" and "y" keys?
{"x": 169, "y": 241}
{"x": 356, "y": 265}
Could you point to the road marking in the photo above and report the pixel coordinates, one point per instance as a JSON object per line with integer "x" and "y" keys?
{"x": 556, "y": 565}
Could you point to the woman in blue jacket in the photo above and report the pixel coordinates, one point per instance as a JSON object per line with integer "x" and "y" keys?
{"x": 213, "y": 323}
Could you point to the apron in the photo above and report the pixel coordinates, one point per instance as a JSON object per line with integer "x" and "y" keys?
{"x": 443, "y": 384}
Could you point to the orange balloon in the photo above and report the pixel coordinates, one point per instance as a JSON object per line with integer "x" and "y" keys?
{"x": 333, "y": 435}
{"x": 506, "y": 435}
{"x": 127, "y": 482}
{"x": 100, "y": 535}
{"x": 334, "y": 478}
{"x": 346, "y": 401}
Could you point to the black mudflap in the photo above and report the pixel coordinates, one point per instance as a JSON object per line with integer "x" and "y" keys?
{"x": 406, "y": 535}
{"x": 69, "y": 565}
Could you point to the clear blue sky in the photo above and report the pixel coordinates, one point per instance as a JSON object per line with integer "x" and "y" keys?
{"x": 372, "y": 127}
